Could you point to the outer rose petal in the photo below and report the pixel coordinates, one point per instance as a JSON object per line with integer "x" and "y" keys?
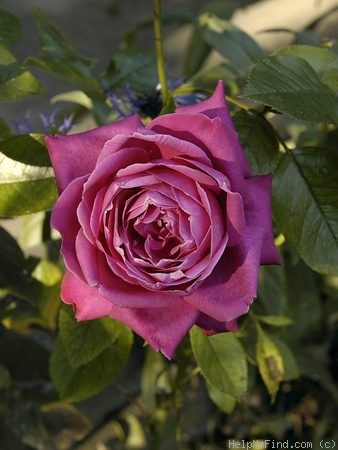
{"x": 216, "y": 106}
{"x": 64, "y": 219}
{"x": 163, "y": 329}
{"x": 258, "y": 213}
{"x": 232, "y": 286}
{"x": 75, "y": 155}
{"x": 212, "y": 326}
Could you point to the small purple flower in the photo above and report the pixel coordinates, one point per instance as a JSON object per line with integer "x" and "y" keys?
{"x": 127, "y": 102}
{"x": 23, "y": 126}
{"x": 50, "y": 123}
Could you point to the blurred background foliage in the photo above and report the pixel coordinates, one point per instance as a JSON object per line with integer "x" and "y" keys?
{"x": 93, "y": 386}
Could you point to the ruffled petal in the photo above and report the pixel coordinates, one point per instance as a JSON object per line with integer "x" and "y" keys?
{"x": 214, "y": 137}
{"x": 75, "y": 155}
{"x": 163, "y": 329}
{"x": 232, "y": 286}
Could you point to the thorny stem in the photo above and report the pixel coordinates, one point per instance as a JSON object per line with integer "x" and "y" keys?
{"x": 160, "y": 52}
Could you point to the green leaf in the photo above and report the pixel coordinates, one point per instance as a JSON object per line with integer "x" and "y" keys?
{"x": 313, "y": 366}
{"x": 276, "y": 321}
{"x": 65, "y": 69}
{"x": 270, "y": 362}
{"x": 13, "y": 265}
{"x": 208, "y": 78}
{"x": 224, "y": 402}
{"x": 5, "y": 378}
{"x": 305, "y": 198}
{"x": 222, "y": 361}
{"x": 272, "y": 290}
{"x": 26, "y": 148}
{"x": 236, "y": 46}
{"x": 290, "y": 85}
{"x": 5, "y": 132}
{"x": 15, "y": 81}
{"x": 196, "y": 54}
{"x": 60, "y": 59}
{"x": 75, "y": 384}
{"x": 323, "y": 61}
{"x": 291, "y": 371}
{"x": 133, "y": 68}
{"x": 259, "y": 141}
{"x": 78, "y": 97}
{"x": 54, "y": 43}
{"x": 84, "y": 341}
{"x": 304, "y": 304}
{"x": 47, "y": 273}
{"x": 25, "y": 186}
{"x": 10, "y": 29}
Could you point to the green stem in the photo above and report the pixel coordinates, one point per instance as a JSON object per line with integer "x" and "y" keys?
{"x": 160, "y": 52}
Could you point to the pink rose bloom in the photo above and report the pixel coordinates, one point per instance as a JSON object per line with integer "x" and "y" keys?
{"x": 163, "y": 225}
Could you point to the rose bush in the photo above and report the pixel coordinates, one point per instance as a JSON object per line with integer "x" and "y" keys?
{"x": 163, "y": 225}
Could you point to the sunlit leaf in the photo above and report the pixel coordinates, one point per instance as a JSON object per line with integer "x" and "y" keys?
{"x": 290, "y": 85}
{"x": 224, "y": 402}
{"x": 27, "y": 185}
{"x": 270, "y": 362}
{"x": 276, "y": 321}
{"x": 222, "y": 361}
{"x": 15, "y": 81}
{"x": 78, "y": 97}
{"x": 291, "y": 371}
{"x": 323, "y": 61}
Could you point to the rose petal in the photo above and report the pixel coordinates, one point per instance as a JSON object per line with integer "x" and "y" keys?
{"x": 87, "y": 256}
{"x": 129, "y": 295}
{"x": 64, "y": 219}
{"x": 220, "y": 142}
{"x": 212, "y": 326}
{"x": 75, "y": 155}
{"x": 163, "y": 329}
{"x": 227, "y": 293}
{"x": 235, "y": 218}
{"x": 214, "y": 106}
{"x": 171, "y": 147}
{"x": 258, "y": 213}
